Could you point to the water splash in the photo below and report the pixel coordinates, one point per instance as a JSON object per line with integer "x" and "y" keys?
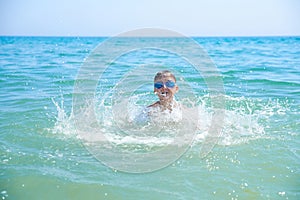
{"x": 64, "y": 124}
{"x": 245, "y": 119}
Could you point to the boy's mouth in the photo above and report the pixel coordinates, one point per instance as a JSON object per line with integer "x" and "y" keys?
{"x": 164, "y": 93}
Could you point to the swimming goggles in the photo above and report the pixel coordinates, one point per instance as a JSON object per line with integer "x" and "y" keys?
{"x": 168, "y": 84}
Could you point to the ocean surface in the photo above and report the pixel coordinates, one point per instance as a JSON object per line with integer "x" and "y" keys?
{"x": 256, "y": 156}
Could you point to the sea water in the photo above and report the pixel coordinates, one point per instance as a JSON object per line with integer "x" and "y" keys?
{"x": 255, "y": 157}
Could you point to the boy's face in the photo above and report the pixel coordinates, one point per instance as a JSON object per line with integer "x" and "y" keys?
{"x": 166, "y": 92}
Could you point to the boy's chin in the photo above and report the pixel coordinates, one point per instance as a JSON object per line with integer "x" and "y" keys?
{"x": 165, "y": 98}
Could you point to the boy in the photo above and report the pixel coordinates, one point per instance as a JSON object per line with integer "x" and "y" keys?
{"x": 165, "y": 88}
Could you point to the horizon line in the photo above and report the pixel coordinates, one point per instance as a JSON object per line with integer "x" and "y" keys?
{"x": 149, "y": 36}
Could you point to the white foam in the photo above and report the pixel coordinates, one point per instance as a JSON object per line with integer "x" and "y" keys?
{"x": 244, "y": 121}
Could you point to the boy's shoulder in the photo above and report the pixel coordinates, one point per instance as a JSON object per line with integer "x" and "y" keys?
{"x": 154, "y": 104}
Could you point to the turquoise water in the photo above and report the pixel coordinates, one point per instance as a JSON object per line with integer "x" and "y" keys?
{"x": 257, "y": 156}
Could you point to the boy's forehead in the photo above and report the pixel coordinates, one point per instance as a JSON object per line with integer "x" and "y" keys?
{"x": 165, "y": 77}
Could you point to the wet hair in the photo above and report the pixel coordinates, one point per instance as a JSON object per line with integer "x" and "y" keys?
{"x": 164, "y": 73}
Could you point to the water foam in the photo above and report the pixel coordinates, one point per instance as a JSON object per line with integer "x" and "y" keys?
{"x": 245, "y": 119}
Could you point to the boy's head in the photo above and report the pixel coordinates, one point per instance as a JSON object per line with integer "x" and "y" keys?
{"x": 165, "y": 85}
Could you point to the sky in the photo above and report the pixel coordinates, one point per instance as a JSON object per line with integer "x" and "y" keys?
{"x": 188, "y": 17}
